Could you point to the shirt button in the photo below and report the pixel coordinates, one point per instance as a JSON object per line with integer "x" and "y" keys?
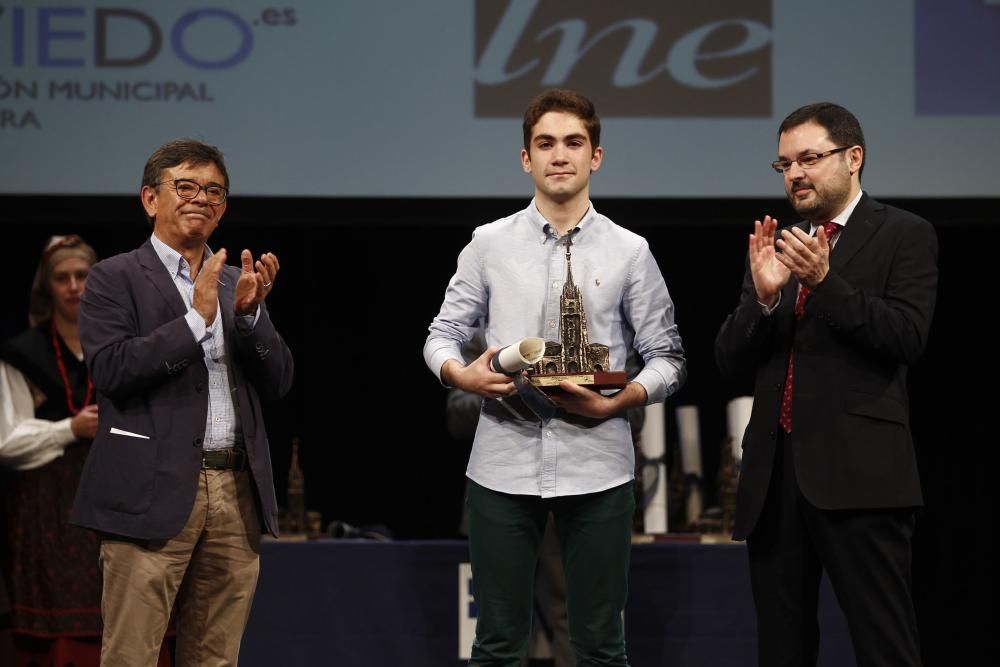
{"x": 552, "y": 324}
{"x": 555, "y": 284}
{"x": 548, "y": 433}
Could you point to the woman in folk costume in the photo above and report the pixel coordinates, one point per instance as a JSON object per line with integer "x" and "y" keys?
{"x": 48, "y": 417}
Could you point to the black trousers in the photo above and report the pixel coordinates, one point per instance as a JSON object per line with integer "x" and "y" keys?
{"x": 505, "y": 533}
{"x": 865, "y": 553}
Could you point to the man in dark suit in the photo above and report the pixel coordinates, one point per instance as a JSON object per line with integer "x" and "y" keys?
{"x": 829, "y": 319}
{"x": 178, "y": 482}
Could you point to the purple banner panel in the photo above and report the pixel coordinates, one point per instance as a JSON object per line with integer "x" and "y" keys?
{"x": 957, "y": 66}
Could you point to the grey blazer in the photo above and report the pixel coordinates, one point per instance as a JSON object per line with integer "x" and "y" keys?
{"x": 150, "y": 381}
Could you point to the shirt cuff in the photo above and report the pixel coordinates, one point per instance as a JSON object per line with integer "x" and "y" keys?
{"x": 63, "y": 435}
{"x": 197, "y": 325}
{"x": 767, "y": 311}
{"x": 654, "y": 384}
{"x": 438, "y": 360}
{"x": 245, "y": 324}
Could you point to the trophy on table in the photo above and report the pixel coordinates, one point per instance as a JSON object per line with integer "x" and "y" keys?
{"x": 295, "y": 521}
{"x": 573, "y": 358}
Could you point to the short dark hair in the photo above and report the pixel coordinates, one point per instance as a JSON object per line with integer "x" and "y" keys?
{"x": 178, "y": 152}
{"x": 569, "y": 101}
{"x": 843, "y": 128}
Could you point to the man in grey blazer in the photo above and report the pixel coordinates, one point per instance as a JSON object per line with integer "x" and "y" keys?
{"x": 178, "y": 482}
{"x": 834, "y": 309}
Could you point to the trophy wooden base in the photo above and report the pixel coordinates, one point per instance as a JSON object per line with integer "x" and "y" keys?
{"x": 549, "y": 382}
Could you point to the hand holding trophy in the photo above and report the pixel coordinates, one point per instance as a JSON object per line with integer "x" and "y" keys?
{"x": 539, "y": 366}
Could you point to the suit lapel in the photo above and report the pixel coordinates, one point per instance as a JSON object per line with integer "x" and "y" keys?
{"x": 790, "y": 292}
{"x": 158, "y": 275}
{"x": 865, "y": 219}
{"x": 227, "y": 296}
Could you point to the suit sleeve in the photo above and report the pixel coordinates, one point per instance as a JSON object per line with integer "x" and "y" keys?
{"x": 744, "y": 340}
{"x": 265, "y": 358}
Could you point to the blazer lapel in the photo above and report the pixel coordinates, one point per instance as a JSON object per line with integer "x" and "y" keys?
{"x": 158, "y": 275}
{"x": 864, "y": 221}
{"x": 227, "y": 297}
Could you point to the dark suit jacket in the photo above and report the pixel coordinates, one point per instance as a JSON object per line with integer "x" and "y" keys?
{"x": 863, "y": 325}
{"x": 150, "y": 378}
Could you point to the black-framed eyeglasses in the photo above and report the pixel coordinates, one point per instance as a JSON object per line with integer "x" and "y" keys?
{"x": 187, "y": 189}
{"x": 805, "y": 161}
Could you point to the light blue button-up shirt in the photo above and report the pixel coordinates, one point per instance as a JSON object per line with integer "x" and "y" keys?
{"x": 222, "y": 423}
{"x": 511, "y": 277}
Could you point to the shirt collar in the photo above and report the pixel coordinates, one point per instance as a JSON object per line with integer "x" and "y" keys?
{"x": 539, "y": 222}
{"x": 173, "y": 260}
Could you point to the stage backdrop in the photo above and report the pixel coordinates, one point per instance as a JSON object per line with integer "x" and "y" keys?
{"x": 362, "y": 98}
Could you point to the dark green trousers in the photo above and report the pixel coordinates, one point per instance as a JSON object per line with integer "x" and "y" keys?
{"x": 505, "y": 533}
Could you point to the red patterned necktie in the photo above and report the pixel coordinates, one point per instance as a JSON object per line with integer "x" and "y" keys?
{"x": 785, "y": 419}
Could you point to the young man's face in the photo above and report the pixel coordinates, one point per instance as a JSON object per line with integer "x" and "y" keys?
{"x": 560, "y": 158}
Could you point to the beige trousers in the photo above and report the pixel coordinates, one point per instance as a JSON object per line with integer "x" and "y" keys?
{"x": 210, "y": 568}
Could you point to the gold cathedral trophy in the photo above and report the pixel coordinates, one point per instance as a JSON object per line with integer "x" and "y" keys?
{"x": 538, "y": 366}
{"x": 574, "y": 358}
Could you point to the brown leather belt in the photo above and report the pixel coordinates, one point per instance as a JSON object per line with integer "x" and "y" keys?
{"x": 232, "y": 458}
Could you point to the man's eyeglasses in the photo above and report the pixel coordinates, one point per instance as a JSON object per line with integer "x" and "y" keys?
{"x": 805, "y": 161}
{"x": 188, "y": 189}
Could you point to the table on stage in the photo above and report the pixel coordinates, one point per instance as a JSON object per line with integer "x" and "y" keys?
{"x": 368, "y": 604}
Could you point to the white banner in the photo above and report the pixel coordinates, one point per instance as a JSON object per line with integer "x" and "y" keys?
{"x": 395, "y": 98}
{"x": 466, "y": 612}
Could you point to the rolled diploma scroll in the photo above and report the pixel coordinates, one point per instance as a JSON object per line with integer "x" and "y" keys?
{"x": 690, "y": 441}
{"x": 653, "y": 441}
{"x": 518, "y": 356}
{"x": 737, "y": 417}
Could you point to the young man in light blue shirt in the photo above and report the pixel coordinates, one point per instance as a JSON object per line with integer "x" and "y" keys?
{"x": 580, "y": 464}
